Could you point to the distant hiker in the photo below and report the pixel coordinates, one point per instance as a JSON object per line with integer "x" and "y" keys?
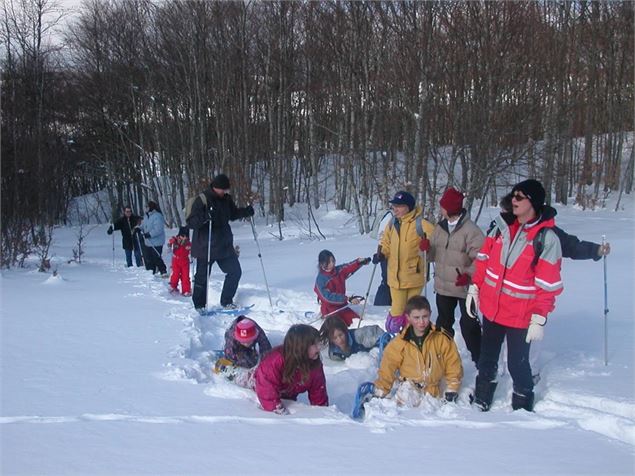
{"x": 515, "y": 290}
{"x": 344, "y": 342}
{"x": 454, "y": 245}
{"x": 404, "y": 245}
{"x": 215, "y": 205}
{"x": 153, "y": 228}
{"x": 330, "y": 286}
{"x": 245, "y": 345}
{"x": 181, "y": 246}
{"x": 420, "y": 357}
{"x": 126, "y": 225}
{"x": 137, "y": 234}
{"x": 292, "y": 369}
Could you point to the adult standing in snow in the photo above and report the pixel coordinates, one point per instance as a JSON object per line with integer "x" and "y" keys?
{"x": 126, "y": 224}
{"x": 455, "y": 243}
{"x": 292, "y": 369}
{"x": 515, "y": 293}
{"x": 404, "y": 246}
{"x": 219, "y": 208}
{"x": 154, "y": 234}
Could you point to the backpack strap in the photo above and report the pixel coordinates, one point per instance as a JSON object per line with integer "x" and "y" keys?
{"x": 539, "y": 245}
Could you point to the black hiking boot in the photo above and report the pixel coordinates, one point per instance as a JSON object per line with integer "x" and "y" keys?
{"x": 483, "y": 394}
{"x": 523, "y": 401}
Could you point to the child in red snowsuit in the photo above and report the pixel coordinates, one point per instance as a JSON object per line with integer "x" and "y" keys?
{"x": 181, "y": 246}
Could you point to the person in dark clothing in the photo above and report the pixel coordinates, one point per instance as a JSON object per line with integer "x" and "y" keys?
{"x": 216, "y": 211}
{"x": 126, "y": 224}
{"x": 153, "y": 229}
{"x": 572, "y": 246}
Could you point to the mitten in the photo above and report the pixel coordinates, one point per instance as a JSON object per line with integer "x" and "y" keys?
{"x": 471, "y": 302}
{"x": 394, "y": 324}
{"x": 210, "y": 214}
{"x": 462, "y": 279}
{"x": 109, "y": 230}
{"x": 536, "y": 330}
{"x": 378, "y": 257}
{"x": 451, "y": 397}
{"x": 146, "y": 235}
{"x": 249, "y": 211}
{"x": 424, "y": 244}
{"x": 363, "y": 261}
{"x": 378, "y": 392}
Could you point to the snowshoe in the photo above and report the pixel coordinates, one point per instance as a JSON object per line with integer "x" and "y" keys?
{"x": 228, "y": 312}
{"x": 364, "y": 394}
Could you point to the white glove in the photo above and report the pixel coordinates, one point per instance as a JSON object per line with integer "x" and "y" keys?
{"x": 536, "y": 329}
{"x": 471, "y": 302}
{"x": 379, "y": 393}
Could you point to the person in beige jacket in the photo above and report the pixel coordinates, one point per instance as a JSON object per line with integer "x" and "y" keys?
{"x": 454, "y": 245}
{"x": 423, "y": 355}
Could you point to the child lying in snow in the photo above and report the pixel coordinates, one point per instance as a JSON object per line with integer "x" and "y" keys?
{"x": 344, "y": 342}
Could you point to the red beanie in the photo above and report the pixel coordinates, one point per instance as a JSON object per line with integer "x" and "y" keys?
{"x": 452, "y": 201}
{"x": 245, "y": 331}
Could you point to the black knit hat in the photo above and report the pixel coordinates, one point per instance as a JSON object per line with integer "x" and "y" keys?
{"x": 534, "y": 191}
{"x": 221, "y": 181}
{"x": 184, "y": 231}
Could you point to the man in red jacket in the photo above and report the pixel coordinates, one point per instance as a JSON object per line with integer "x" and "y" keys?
{"x": 515, "y": 291}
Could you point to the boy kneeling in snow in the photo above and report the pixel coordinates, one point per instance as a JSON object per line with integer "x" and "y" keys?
{"x": 241, "y": 356}
{"x": 423, "y": 355}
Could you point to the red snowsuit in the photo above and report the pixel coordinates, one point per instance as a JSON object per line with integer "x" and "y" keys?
{"x": 330, "y": 288}
{"x": 270, "y": 388}
{"x": 181, "y": 247}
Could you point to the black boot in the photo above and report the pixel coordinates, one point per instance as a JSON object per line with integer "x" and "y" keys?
{"x": 524, "y": 401}
{"x": 484, "y": 393}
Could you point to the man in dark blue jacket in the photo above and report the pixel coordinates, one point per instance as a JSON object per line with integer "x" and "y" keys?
{"x": 218, "y": 208}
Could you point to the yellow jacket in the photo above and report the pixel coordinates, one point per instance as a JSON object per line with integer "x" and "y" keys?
{"x": 406, "y": 266}
{"x": 438, "y": 358}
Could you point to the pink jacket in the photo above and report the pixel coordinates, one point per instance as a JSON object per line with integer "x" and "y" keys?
{"x": 270, "y": 388}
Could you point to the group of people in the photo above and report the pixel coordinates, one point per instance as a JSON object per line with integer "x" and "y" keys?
{"x": 510, "y": 276}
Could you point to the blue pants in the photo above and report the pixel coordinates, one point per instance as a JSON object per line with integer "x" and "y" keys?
{"x": 137, "y": 256}
{"x": 517, "y": 355}
{"x": 230, "y": 266}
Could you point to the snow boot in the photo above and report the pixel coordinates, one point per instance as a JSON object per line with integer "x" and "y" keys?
{"x": 483, "y": 393}
{"x": 523, "y": 401}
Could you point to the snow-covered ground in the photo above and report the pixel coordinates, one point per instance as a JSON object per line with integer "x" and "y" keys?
{"x": 104, "y": 372}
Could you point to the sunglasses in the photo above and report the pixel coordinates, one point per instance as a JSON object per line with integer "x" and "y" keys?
{"x": 518, "y": 197}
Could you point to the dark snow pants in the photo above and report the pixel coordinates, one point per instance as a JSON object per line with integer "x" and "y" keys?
{"x": 230, "y": 266}
{"x": 470, "y": 328}
{"x": 517, "y": 355}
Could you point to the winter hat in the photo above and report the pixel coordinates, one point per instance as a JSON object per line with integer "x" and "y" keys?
{"x": 452, "y": 201}
{"x": 221, "y": 181}
{"x": 245, "y": 331}
{"x": 184, "y": 231}
{"x": 324, "y": 257}
{"x": 534, "y": 191}
{"x": 403, "y": 198}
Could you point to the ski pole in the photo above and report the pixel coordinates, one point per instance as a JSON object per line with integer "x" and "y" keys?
{"x": 606, "y": 309}
{"x": 207, "y": 267}
{"x": 320, "y": 316}
{"x": 262, "y": 265}
{"x": 113, "y": 246}
{"x": 370, "y": 283}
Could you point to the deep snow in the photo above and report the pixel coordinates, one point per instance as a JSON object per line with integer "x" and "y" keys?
{"x": 104, "y": 372}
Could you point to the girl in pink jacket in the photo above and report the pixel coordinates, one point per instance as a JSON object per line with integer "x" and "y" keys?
{"x": 291, "y": 369}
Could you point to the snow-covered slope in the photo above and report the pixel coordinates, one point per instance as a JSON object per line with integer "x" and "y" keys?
{"x": 104, "y": 372}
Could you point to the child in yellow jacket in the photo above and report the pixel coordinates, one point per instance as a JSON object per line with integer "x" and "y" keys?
{"x": 423, "y": 355}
